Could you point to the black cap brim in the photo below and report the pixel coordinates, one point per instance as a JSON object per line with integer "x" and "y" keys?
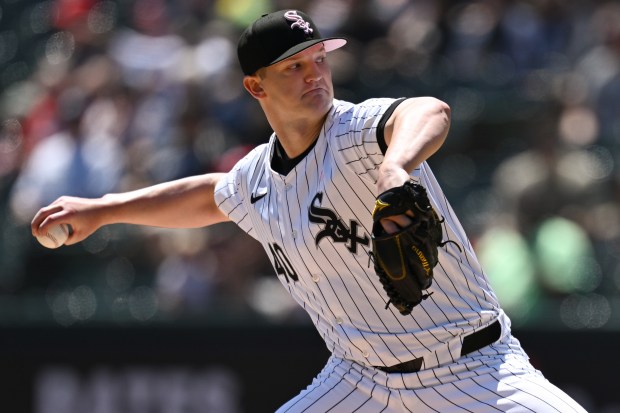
{"x": 330, "y": 43}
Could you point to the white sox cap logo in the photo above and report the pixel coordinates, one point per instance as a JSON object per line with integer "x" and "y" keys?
{"x": 298, "y": 21}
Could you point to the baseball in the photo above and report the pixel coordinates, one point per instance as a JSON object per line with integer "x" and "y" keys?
{"x": 56, "y": 236}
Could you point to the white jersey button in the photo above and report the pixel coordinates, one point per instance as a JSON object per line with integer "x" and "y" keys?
{"x": 366, "y": 354}
{"x": 294, "y": 233}
{"x": 339, "y": 320}
{"x": 315, "y": 278}
{"x": 288, "y": 186}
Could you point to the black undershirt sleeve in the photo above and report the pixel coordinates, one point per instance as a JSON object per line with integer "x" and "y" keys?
{"x": 383, "y": 121}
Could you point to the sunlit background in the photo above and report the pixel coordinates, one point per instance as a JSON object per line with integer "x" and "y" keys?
{"x": 101, "y": 96}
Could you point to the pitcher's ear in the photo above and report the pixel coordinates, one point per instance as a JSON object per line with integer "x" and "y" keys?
{"x": 253, "y": 85}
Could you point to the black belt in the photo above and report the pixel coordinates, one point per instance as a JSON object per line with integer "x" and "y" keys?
{"x": 471, "y": 343}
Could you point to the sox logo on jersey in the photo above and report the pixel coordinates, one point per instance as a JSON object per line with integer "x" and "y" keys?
{"x": 334, "y": 226}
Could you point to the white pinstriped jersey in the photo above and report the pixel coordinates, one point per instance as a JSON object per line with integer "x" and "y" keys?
{"x": 315, "y": 225}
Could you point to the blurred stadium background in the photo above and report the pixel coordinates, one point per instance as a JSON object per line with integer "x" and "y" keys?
{"x": 102, "y": 96}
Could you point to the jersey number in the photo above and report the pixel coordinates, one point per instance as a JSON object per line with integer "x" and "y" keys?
{"x": 281, "y": 263}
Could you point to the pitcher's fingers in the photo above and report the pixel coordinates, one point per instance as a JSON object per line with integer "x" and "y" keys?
{"x": 41, "y": 218}
{"x": 389, "y": 226}
{"x": 395, "y": 223}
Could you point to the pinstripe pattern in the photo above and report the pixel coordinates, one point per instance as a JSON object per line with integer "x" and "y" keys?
{"x": 498, "y": 380}
{"x": 315, "y": 224}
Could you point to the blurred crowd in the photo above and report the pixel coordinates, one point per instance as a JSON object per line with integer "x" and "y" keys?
{"x": 101, "y": 96}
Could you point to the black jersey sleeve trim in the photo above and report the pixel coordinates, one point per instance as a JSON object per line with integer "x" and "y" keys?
{"x": 383, "y": 121}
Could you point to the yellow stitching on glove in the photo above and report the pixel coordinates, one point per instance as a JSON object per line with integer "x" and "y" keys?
{"x": 379, "y": 205}
{"x": 402, "y": 264}
{"x": 423, "y": 260}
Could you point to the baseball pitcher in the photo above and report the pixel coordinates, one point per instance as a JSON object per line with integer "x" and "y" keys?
{"x": 359, "y": 233}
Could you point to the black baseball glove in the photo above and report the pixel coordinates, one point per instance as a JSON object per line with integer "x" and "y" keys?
{"x": 404, "y": 260}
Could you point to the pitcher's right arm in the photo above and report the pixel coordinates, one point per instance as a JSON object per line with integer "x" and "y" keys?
{"x": 184, "y": 203}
